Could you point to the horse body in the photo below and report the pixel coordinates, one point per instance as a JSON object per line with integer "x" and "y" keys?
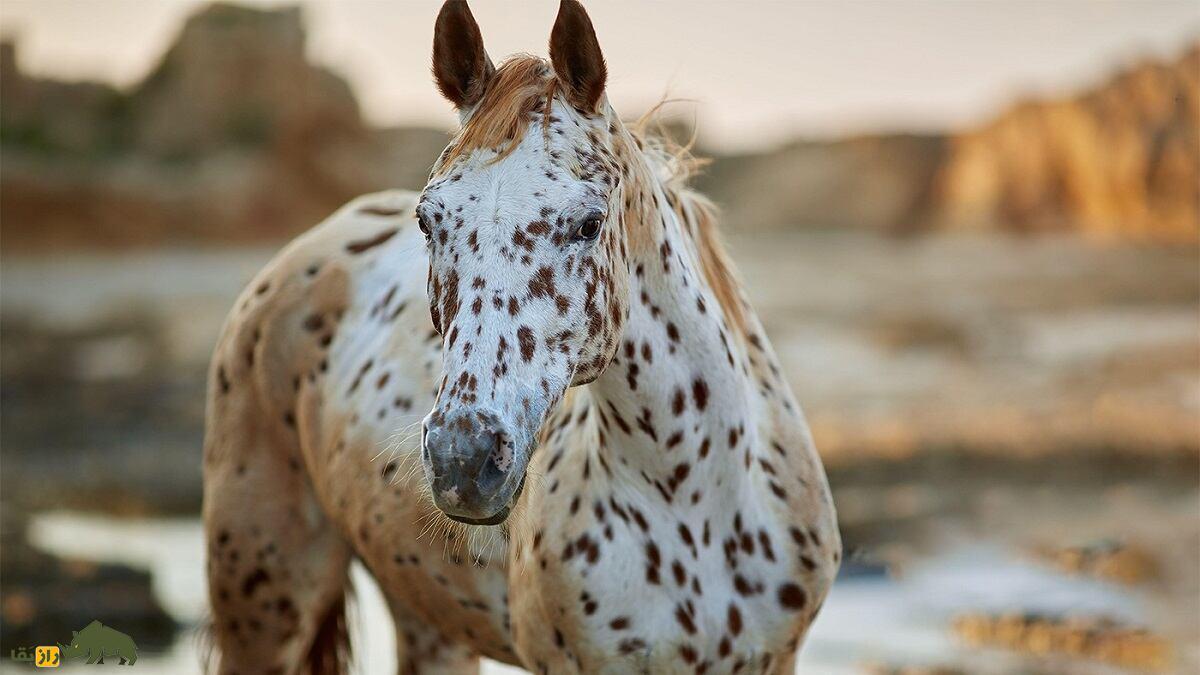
{"x": 700, "y": 545}
{"x": 634, "y": 486}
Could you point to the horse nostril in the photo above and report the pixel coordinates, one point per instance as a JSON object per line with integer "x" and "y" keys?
{"x": 501, "y": 454}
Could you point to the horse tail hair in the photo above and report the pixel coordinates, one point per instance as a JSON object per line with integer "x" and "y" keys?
{"x": 331, "y": 651}
{"x": 329, "y": 654}
{"x": 205, "y": 642}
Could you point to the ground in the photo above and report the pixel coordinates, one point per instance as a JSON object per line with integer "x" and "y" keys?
{"x": 975, "y": 398}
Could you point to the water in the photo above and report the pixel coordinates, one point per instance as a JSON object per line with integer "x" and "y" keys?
{"x": 867, "y": 619}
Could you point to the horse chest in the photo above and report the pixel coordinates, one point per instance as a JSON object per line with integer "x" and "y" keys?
{"x": 366, "y": 458}
{"x": 622, "y": 580}
{"x": 443, "y": 575}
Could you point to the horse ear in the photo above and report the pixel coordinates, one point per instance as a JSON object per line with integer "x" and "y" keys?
{"x": 576, "y": 56}
{"x": 461, "y": 67}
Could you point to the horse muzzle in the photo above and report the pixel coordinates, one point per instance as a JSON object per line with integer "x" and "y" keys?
{"x": 474, "y": 465}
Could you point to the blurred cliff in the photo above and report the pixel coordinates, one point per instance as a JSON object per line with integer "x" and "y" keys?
{"x": 1121, "y": 159}
{"x": 234, "y": 137}
{"x": 1118, "y": 161}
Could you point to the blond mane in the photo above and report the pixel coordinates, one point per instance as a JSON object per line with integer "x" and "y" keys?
{"x": 700, "y": 215}
{"x": 675, "y": 164}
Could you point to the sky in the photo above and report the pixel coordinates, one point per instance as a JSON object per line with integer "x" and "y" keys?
{"x": 754, "y": 72}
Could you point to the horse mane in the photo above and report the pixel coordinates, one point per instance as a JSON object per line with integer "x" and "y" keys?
{"x": 674, "y": 164}
{"x": 523, "y": 86}
{"x": 700, "y": 216}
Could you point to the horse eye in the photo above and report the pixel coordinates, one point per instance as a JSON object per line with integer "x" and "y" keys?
{"x": 423, "y": 224}
{"x": 590, "y": 227}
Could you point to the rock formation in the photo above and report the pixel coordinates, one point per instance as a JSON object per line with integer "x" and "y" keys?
{"x": 1119, "y": 161}
{"x": 236, "y": 136}
{"x": 1122, "y": 160}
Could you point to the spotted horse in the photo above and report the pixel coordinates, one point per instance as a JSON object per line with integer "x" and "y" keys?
{"x": 533, "y": 401}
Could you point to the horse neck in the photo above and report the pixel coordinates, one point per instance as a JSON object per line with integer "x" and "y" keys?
{"x": 678, "y": 383}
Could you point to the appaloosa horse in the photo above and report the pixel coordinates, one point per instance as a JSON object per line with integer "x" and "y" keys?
{"x": 614, "y": 476}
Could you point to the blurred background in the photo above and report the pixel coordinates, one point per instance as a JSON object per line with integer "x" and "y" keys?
{"x": 971, "y": 229}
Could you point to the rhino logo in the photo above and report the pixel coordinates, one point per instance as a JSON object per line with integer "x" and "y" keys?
{"x": 97, "y": 641}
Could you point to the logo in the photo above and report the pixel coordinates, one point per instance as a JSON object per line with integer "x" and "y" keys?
{"x": 47, "y": 656}
{"x": 93, "y": 644}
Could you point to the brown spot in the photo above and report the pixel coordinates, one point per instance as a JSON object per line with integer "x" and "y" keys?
{"x": 631, "y": 645}
{"x": 253, "y": 580}
{"x": 361, "y": 246}
{"x": 777, "y": 490}
{"x": 700, "y": 393}
{"x": 526, "y": 342}
{"x": 792, "y": 597}
{"x": 314, "y": 323}
{"x": 679, "y": 572}
{"x": 379, "y": 211}
{"x": 542, "y": 283}
{"x": 743, "y": 586}
{"x": 685, "y": 620}
{"x": 735, "y": 620}
{"x": 688, "y": 653}
{"x": 520, "y": 239}
{"x": 678, "y": 402}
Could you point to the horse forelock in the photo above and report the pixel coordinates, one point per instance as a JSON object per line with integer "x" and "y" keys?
{"x": 522, "y": 86}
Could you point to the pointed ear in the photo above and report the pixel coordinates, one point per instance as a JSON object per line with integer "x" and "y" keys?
{"x": 576, "y": 56}
{"x": 461, "y": 67}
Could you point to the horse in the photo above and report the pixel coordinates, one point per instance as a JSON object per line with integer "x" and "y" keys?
{"x": 533, "y": 400}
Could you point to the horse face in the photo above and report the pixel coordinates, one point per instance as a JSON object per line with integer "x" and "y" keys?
{"x": 527, "y": 274}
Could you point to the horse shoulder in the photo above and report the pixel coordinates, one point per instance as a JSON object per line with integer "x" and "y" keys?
{"x": 277, "y": 336}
